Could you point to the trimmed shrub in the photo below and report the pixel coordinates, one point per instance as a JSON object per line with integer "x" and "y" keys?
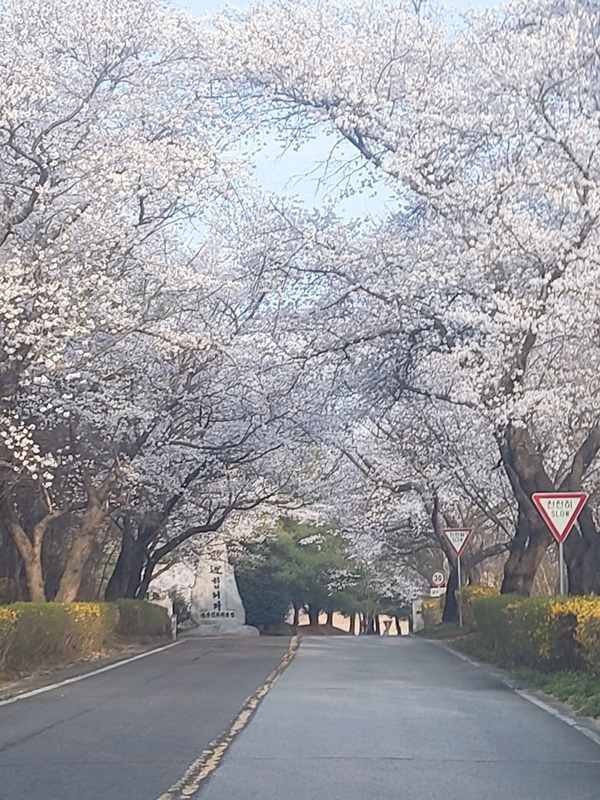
{"x": 138, "y": 618}
{"x": 588, "y": 638}
{"x": 490, "y": 619}
{"x": 266, "y": 600}
{"x": 466, "y": 596}
{"x": 9, "y": 620}
{"x": 548, "y": 633}
{"x": 90, "y": 626}
{"x": 432, "y": 608}
{"x": 33, "y": 635}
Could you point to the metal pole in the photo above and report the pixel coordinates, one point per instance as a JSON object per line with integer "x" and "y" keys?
{"x": 561, "y": 567}
{"x": 460, "y": 619}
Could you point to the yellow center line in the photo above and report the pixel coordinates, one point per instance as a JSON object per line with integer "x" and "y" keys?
{"x": 209, "y": 759}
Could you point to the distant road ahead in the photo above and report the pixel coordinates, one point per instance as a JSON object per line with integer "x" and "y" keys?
{"x": 128, "y": 734}
{"x": 400, "y": 719}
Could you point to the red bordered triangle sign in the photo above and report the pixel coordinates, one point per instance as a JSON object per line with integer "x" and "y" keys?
{"x": 458, "y": 537}
{"x": 559, "y": 510}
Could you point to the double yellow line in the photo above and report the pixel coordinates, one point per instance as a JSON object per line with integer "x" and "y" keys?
{"x": 209, "y": 759}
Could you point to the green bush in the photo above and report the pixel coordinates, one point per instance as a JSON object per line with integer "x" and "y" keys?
{"x": 466, "y": 597}
{"x": 34, "y": 635}
{"x": 491, "y": 622}
{"x": 433, "y": 608}
{"x": 266, "y": 600}
{"x": 588, "y": 638}
{"x": 138, "y": 618}
{"x": 37, "y": 635}
{"x": 548, "y": 633}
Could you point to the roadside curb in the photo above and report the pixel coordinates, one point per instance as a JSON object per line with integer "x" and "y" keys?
{"x": 587, "y": 726}
{"x": 74, "y": 673}
{"x": 200, "y": 769}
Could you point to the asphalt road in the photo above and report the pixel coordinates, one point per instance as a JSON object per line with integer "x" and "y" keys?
{"x": 400, "y": 719}
{"x": 128, "y": 734}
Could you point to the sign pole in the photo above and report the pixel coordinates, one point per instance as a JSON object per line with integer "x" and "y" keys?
{"x": 457, "y": 538}
{"x": 561, "y": 566}
{"x": 460, "y": 619}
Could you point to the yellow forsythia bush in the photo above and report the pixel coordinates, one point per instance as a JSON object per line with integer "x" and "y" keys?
{"x": 90, "y": 625}
{"x": 433, "y": 608}
{"x": 465, "y": 598}
{"x": 8, "y": 626}
{"x": 544, "y": 632}
{"x": 34, "y": 635}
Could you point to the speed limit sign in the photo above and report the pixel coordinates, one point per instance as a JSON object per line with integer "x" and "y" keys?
{"x": 438, "y": 578}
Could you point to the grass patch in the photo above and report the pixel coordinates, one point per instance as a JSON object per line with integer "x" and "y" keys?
{"x": 580, "y": 690}
{"x": 473, "y": 646}
{"x": 444, "y": 631}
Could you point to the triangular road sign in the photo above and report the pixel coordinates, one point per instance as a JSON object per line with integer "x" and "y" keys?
{"x": 559, "y": 510}
{"x": 458, "y": 537}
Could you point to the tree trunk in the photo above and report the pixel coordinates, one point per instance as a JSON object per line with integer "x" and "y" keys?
{"x": 330, "y": 618}
{"x": 129, "y": 570}
{"x": 30, "y": 550}
{"x": 582, "y": 556}
{"x": 525, "y": 470}
{"x": 526, "y": 554}
{"x": 370, "y": 627}
{"x": 352, "y": 624}
{"x": 450, "y": 613}
{"x": 80, "y": 553}
{"x": 313, "y": 614}
{"x": 31, "y": 555}
{"x": 296, "y": 618}
{"x": 147, "y": 575}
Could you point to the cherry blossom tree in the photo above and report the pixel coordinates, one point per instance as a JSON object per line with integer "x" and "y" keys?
{"x": 470, "y": 294}
{"x": 111, "y": 146}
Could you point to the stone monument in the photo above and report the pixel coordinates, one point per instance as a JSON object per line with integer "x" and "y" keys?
{"x": 216, "y": 605}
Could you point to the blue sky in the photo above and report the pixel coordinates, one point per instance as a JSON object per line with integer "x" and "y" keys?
{"x": 297, "y": 173}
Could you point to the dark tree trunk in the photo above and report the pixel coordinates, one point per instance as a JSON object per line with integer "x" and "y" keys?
{"x": 525, "y": 470}
{"x": 526, "y": 554}
{"x": 450, "y": 613}
{"x": 352, "y": 624}
{"x": 370, "y": 626}
{"x": 313, "y": 614}
{"x": 147, "y": 574}
{"x": 582, "y": 556}
{"x": 296, "y": 618}
{"x": 127, "y": 574}
{"x": 330, "y": 618}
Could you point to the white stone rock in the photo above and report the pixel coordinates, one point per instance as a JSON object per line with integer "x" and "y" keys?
{"x": 216, "y": 606}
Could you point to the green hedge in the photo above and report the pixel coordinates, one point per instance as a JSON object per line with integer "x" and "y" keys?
{"x": 465, "y": 598}
{"x": 139, "y": 618}
{"x": 548, "y": 633}
{"x": 433, "y": 609}
{"x": 36, "y": 635}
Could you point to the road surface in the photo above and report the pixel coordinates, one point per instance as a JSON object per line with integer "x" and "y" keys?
{"x": 400, "y": 719}
{"x": 128, "y": 734}
{"x": 350, "y": 719}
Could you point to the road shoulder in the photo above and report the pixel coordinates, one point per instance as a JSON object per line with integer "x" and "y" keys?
{"x": 588, "y": 726}
{"x": 11, "y": 689}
